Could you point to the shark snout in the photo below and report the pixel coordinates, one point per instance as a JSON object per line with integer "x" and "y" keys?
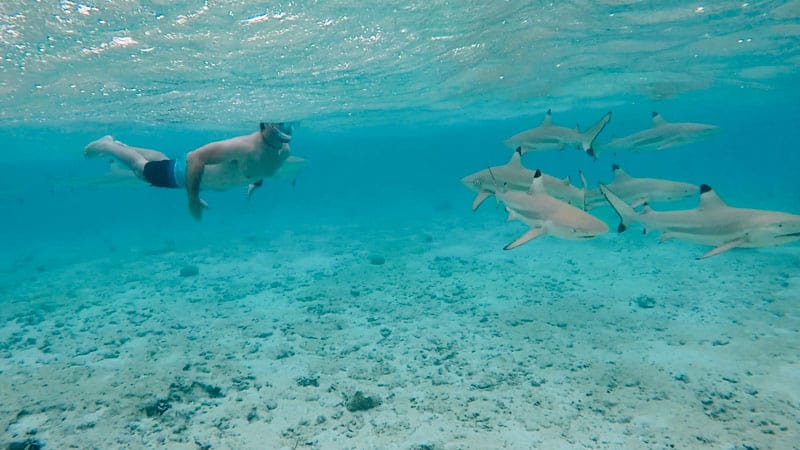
{"x": 708, "y": 130}
{"x": 788, "y": 231}
{"x": 471, "y": 182}
{"x": 590, "y": 230}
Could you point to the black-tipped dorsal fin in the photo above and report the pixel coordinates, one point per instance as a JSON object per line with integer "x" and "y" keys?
{"x": 516, "y": 160}
{"x": 657, "y": 119}
{"x": 619, "y": 174}
{"x": 547, "y": 118}
{"x": 537, "y": 185}
{"x": 709, "y": 198}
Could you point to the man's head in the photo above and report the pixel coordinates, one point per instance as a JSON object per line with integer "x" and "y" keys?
{"x": 279, "y": 133}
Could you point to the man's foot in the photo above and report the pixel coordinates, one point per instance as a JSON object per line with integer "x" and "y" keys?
{"x": 196, "y": 207}
{"x": 98, "y": 147}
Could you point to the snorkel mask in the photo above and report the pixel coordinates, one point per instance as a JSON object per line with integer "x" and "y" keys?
{"x": 281, "y": 131}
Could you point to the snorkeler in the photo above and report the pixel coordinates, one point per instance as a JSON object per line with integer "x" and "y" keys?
{"x": 217, "y": 165}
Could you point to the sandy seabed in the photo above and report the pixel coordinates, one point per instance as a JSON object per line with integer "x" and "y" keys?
{"x": 368, "y": 337}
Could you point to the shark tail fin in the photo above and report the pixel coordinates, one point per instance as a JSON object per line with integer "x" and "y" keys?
{"x": 625, "y": 211}
{"x": 588, "y": 137}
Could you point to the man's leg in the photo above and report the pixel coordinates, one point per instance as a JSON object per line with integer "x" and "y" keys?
{"x": 133, "y": 158}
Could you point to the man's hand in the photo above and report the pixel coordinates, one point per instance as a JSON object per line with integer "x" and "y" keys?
{"x": 195, "y": 166}
{"x": 196, "y": 207}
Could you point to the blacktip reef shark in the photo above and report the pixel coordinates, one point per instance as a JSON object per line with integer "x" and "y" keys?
{"x": 516, "y": 177}
{"x": 638, "y": 191}
{"x": 553, "y": 137}
{"x": 545, "y": 214}
{"x": 712, "y": 222}
{"x": 661, "y": 136}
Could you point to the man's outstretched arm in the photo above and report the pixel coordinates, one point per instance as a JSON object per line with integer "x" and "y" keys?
{"x": 212, "y": 153}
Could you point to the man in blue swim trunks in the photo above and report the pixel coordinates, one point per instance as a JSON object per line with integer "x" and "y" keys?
{"x": 217, "y": 165}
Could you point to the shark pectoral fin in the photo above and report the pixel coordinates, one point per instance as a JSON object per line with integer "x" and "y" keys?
{"x": 482, "y": 195}
{"x": 723, "y": 248}
{"x": 639, "y": 202}
{"x": 665, "y": 146}
{"x": 530, "y": 235}
{"x": 511, "y": 215}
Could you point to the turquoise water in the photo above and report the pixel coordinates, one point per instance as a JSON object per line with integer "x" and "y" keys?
{"x": 392, "y": 105}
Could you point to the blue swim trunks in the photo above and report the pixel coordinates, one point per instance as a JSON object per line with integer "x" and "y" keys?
{"x": 169, "y": 173}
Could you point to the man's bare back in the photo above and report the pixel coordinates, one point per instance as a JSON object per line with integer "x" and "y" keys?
{"x": 217, "y": 165}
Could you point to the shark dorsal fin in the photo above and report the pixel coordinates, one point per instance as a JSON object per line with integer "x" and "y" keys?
{"x": 537, "y": 185}
{"x": 547, "y": 118}
{"x": 619, "y": 174}
{"x": 709, "y": 199}
{"x": 658, "y": 120}
{"x": 516, "y": 159}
